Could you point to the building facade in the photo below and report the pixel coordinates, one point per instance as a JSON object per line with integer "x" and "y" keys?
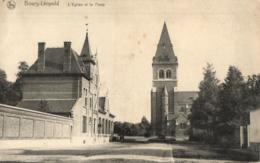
{"x": 169, "y": 109}
{"x": 65, "y": 83}
{"x": 250, "y": 133}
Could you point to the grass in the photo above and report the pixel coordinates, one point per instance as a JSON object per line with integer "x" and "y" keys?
{"x": 198, "y": 151}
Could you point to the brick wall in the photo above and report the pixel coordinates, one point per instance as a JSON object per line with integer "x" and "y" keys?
{"x": 51, "y": 87}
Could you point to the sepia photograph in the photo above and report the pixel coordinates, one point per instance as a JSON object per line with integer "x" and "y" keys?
{"x": 133, "y": 81}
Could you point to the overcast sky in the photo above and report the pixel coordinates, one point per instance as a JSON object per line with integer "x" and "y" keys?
{"x": 125, "y": 35}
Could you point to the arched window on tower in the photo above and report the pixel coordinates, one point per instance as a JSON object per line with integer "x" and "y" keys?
{"x": 161, "y": 74}
{"x": 168, "y": 74}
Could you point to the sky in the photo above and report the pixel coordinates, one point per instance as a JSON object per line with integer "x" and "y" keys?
{"x": 125, "y": 35}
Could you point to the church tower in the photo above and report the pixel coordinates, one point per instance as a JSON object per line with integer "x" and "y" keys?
{"x": 164, "y": 66}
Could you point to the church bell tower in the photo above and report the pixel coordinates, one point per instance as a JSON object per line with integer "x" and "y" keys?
{"x": 164, "y": 66}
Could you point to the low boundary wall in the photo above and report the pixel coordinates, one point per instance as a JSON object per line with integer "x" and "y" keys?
{"x": 28, "y": 126}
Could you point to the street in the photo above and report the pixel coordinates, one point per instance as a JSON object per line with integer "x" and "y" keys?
{"x": 113, "y": 152}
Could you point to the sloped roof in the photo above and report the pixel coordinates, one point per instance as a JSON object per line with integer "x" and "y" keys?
{"x": 165, "y": 38}
{"x": 164, "y": 52}
{"x": 52, "y": 106}
{"x": 185, "y": 96}
{"x": 86, "y": 51}
{"x": 54, "y": 61}
{"x": 54, "y": 58}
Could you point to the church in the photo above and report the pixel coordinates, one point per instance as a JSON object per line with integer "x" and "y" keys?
{"x": 170, "y": 109}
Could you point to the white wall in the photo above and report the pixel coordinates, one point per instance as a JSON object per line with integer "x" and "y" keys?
{"x": 254, "y": 134}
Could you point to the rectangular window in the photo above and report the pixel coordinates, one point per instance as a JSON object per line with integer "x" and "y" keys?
{"x": 90, "y": 123}
{"x": 94, "y": 126}
{"x": 86, "y": 101}
{"x": 91, "y": 102}
{"x": 84, "y": 124}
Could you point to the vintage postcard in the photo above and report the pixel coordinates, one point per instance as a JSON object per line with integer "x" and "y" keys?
{"x": 129, "y": 81}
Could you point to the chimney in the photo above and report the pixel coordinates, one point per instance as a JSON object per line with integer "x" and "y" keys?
{"x": 41, "y": 57}
{"x": 67, "y": 57}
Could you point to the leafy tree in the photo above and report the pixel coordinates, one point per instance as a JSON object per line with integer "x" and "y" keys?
{"x": 127, "y": 128}
{"x": 144, "y": 121}
{"x": 133, "y": 129}
{"x": 22, "y": 67}
{"x": 17, "y": 86}
{"x": 231, "y": 100}
{"x": 2, "y": 75}
{"x": 11, "y": 93}
{"x": 4, "y": 87}
{"x": 118, "y": 129}
{"x": 146, "y": 126}
{"x": 205, "y": 107}
{"x": 251, "y": 92}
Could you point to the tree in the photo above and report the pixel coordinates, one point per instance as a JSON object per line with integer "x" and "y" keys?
{"x": 127, "y": 128}
{"x": 231, "y": 101}
{"x": 118, "y": 128}
{"x": 17, "y": 86}
{"x": 205, "y": 107}
{"x": 251, "y": 92}
{"x": 134, "y": 130}
{"x": 7, "y": 93}
{"x": 146, "y": 126}
{"x": 144, "y": 121}
{"x": 2, "y": 75}
{"x": 142, "y": 128}
{"x": 22, "y": 67}
{"x": 4, "y": 87}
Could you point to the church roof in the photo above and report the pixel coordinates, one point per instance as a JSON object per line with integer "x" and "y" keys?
{"x": 165, "y": 38}
{"x": 185, "y": 97}
{"x": 164, "y": 52}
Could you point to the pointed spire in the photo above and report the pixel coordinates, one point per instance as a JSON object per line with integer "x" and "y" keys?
{"x": 86, "y": 51}
{"x": 165, "y": 37}
{"x": 165, "y": 92}
{"x": 164, "y": 52}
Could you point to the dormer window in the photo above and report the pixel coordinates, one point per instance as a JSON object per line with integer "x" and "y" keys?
{"x": 168, "y": 74}
{"x": 161, "y": 74}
